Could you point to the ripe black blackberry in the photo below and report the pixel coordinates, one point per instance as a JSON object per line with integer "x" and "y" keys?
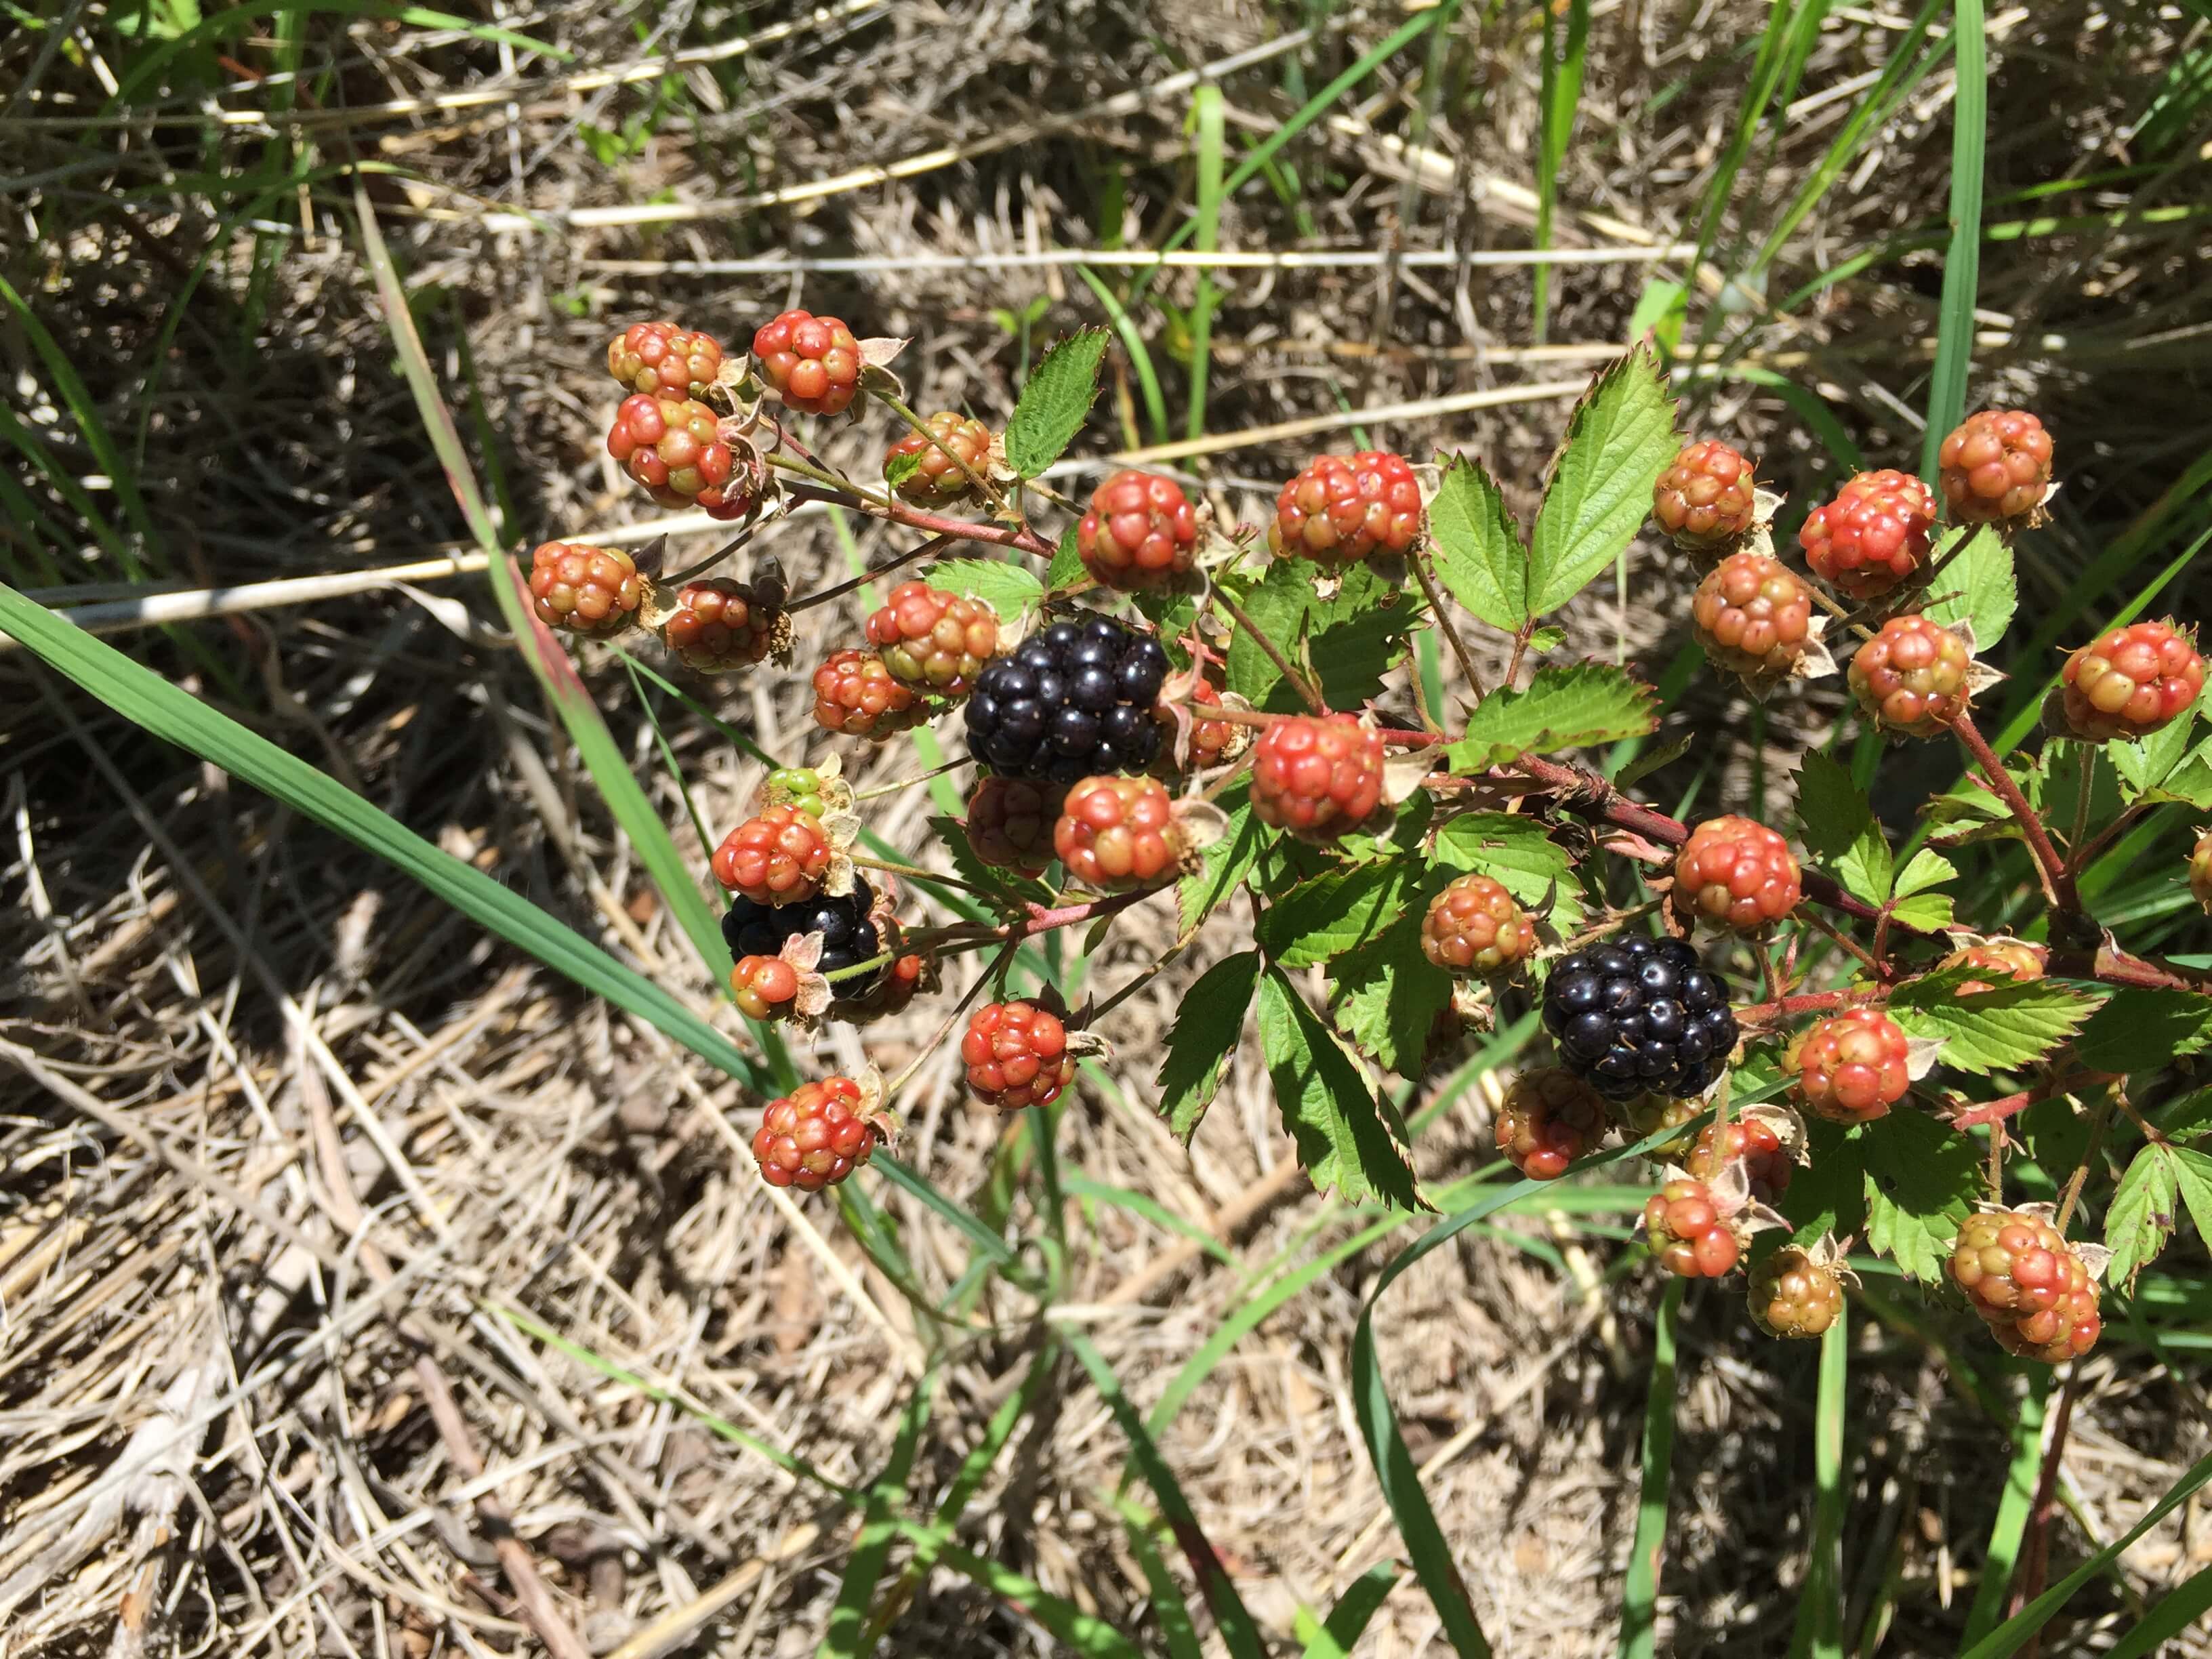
{"x": 1640, "y": 1014}
{"x": 848, "y": 935}
{"x": 1074, "y": 701}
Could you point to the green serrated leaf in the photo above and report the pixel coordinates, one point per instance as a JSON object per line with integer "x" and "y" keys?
{"x": 2192, "y": 1176}
{"x": 1930, "y": 913}
{"x": 1519, "y": 855}
{"x": 1546, "y": 638}
{"x": 1351, "y": 641}
{"x": 1476, "y": 549}
{"x": 1345, "y": 1135}
{"x": 1008, "y": 589}
{"x": 2141, "y": 1030}
{"x": 2141, "y": 1215}
{"x": 1318, "y": 920}
{"x": 1828, "y": 1196}
{"x": 1840, "y": 829}
{"x": 1067, "y": 567}
{"x": 1221, "y": 863}
{"x": 1619, "y": 440}
{"x": 1204, "y": 1038}
{"x": 1921, "y": 1179}
{"x": 1977, "y": 587}
{"x": 1994, "y": 1030}
{"x": 1388, "y": 995}
{"x": 1054, "y": 401}
{"x": 1923, "y": 870}
{"x": 901, "y": 467}
{"x": 1575, "y": 706}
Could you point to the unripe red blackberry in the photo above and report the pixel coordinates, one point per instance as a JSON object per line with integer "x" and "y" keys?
{"x": 720, "y": 624}
{"x": 659, "y": 357}
{"x": 1910, "y": 678}
{"x": 938, "y": 481}
{"x": 2131, "y": 681}
{"x": 815, "y": 1136}
{"x": 935, "y": 640}
{"x": 1995, "y": 466}
{"x": 2006, "y": 962}
{"x": 1792, "y": 1295}
{"x": 1017, "y": 1055}
{"x": 1318, "y": 777}
{"x": 1873, "y": 536}
{"x": 1474, "y": 927}
{"x": 1753, "y": 616}
{"x": 1549, "y": 1118}
{"x": 763, "y": 986}
{"x": 1645, "y": 1115}
{"x": 777, "y": 857}
{"x": 2200, "y": 870}
{"x": 1704, "y": 499}
{"x": 1736, "y": 872}
{"x": 855, "y": 694}
{"x": 1212, "y": 743}
{"x": 813, "y": 362}
{"x": 1751, "y": 1141}
{"x": 1687, "y": 1233}
{"x": 1010, "y": 823}
{"x": 581, "y": 589}
{"x": 1141, "y": 532}
{"x": 673, "y": 447}
{"x": 1345, "y": 507}
{"x": 1117, "y": 832}
{"x": 2014, "y": 1264}
{"x": 1852, "y": 1066}
{"x": 2065, "y": 1330}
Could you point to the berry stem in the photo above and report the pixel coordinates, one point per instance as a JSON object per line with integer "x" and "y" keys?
{"x": 1996, "y": 1111}
{"x": 2035, "y": 1556}
{"x": 2083, "y": 856}
{"x": 859, "y": 967}
{"x": 1394, "y": 737}
{"x": 2080, "y": 826}
{"x": 998, "y": 496}
{"x": 1836, "y": 936}
{"x": 1221, "y": 595}
{"x": 1444, "y": 626}
{"x": 1783, "y": 1010}
{"x": 2057, "y": 884}
{"x": 929, "y": 549}
{"x": 2097, "y": 1121}
{"x": 915, "y": 873}
{"x": 841, "y": 492}
{"x": 922, "y": 1057}
{"x": 893, "y": 789}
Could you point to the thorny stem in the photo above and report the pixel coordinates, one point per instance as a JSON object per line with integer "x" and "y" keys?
{"x": 929, "y": 549}
{"x": 1219, "y": 595}
{"x": 1396, "y": 737}
{"x": 1428, "y": 581}
{"x": 1520, "y": 639}
{"x": 1782, "y": 1010}
{"x": 998, "y": 496}
{"x": 839, "y": 492}
{"x": 2005, "y": 1106}
{"x": 2057, "y": 884}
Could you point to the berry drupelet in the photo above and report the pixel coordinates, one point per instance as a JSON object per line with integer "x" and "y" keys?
{"x": 1851, "y": 1067}
{"x": 581, "y": 589}
{"x": 1736, "y": 872}
{"x": 2130, "y": 682}
{"x": 1873, "y": 536}
{"x": 1319, "y": 777}
{"x": 813, "y": 362}
{"x": 815, "y": 1136}
{"x": 1474, "y": 927}
{"x": 1549, "y": 1118}
{"x": 1704, "y": 499}
{"x": 1346, "y": 507}
{"x": 659, "y": 357}
{"x": 1995, "y": 467}
{"x": 1140, "y": 533}
{"x": 1753, "y": 616}
{"x": 1639, "y": 1015}
{"x": 1072, "y": 700}
{"x": 1910, "y": 678}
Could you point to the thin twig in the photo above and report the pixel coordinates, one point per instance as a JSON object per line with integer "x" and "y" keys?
{"x": 2057, "y": 884}
{"x": 1428, "y": 581}
{"x": 1312, "y": 698}
{"x": 929, "y": 549}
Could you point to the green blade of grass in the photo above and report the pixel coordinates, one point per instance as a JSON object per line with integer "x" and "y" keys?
{"x": 1353, "y": 1613}
{"x": 145, "y": 698}
{"x": 1562, "y": 96}
{"x": 1819, "y": 1630}
{"x": 1214, "y": 1583}
{"x": 1206, "y": 122}
{"x": 1133, "y": 341}
{"x": 556, "y": 676}
{"x": 1174, "y": 1614}
{"x": 1962, "y": 265}
{"x": 1087, "y": 1637}
{"x": 1140, "y": 1204}
{"x": 872, "y": 1548}
{"x": 1639, "y": 1610}
{"x": 2011, "y": 1523}
{"x": 2177, "y": 1611}
{"x": 2008, "y": 1637}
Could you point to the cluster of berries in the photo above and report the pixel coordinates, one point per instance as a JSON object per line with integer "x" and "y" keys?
{"x": 2030, "y": 1287}
{"x": 1913, "y": 677}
